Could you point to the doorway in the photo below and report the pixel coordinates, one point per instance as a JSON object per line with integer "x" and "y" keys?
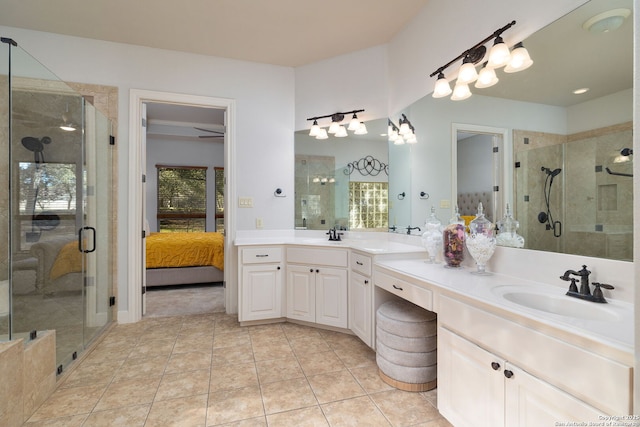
{"x": 480, "y": 165}
{"x": 139, "y": 101}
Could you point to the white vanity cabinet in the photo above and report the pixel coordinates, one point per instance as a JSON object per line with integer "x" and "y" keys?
{"x": 495, "y": 372}
{"x": 361, "y": 297}
{"x": 317, "y": 285}
{"x": 261, "y": 291}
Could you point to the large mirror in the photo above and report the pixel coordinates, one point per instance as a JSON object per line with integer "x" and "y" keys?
{"x": 343, "y": 182}
{"x": 566, "y": 161}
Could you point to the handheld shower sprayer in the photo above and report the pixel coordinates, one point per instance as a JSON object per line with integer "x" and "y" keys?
{"x": 545, "y": 217}
{"x": 626, "y": 152}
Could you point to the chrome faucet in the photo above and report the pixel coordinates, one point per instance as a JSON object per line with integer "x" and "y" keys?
{"x": 585, "y": 290}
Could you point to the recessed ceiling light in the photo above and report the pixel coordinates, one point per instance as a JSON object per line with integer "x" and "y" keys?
{"x": 581, "y": 90}
{"x": 606, "y": 21}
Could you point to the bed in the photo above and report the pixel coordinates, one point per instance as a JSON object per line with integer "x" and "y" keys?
{"x": 184, "y": 258}
{"x": 171, "y": 259}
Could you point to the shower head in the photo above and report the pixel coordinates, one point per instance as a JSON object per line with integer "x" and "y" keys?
{"x": 553, "y": 173}
{"x": 626, "y": 152}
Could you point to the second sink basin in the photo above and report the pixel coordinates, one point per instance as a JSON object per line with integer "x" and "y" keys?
{"x": 555, "y": 302}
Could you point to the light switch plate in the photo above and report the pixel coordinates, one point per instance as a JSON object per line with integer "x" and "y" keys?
{"x": 445, "y": 204}
{"x": 245, "y": 202}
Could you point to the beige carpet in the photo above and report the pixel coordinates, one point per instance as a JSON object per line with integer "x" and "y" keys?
{"x": 182, "y": 300}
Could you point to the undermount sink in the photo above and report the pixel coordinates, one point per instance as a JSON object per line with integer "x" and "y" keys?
{"x": 556, "y": 303}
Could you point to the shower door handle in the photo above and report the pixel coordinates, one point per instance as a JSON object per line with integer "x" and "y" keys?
{"x": 80, "y": 234}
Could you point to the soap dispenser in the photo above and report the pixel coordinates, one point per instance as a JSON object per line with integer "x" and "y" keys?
{"x": 480, "y": 240}
{"x": 432, "y": 237}
{"x": 453, "y": 241}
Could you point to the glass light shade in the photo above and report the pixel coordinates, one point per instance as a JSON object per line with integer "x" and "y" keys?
{"x": 316, "y": 179}
{"x": 314, "y": 129}
{"x": 499, "y": 54}
{"x": 460, "y": 92}
{"x": 333, "y": 128}
{"x": 404, "y": 129}
{"x": 520, "y": 60}
{"x": 486, "y": 78}
{"x": 354, "y": 123}
{"x": 362, "y": 129}
{"x": 67, "y": 127}
{"x": 411, "y": 138}
{"x": 467, "y": 74}
{"x": 394, "y": 135}
{"x": 322, "y": 134}
{"x": 341, "y": 132}
{"x": 442, "y": 87}
{"x": 399, "y": 140}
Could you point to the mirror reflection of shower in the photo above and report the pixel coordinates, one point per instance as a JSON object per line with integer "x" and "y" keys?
{"x": 546, "y": 217}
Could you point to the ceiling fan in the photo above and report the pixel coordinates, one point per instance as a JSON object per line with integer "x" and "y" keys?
{"x": 218, "y": 133}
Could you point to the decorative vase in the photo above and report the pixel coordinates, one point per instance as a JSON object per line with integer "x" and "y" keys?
{"x": 508, "y": 231}
{"x": 432, "y": 237}
{"x": 481, "y": 242}
{"x": 453, "y": 238}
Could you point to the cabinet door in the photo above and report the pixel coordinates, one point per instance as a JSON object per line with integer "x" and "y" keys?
{"x": 301, "y": 293}
{"x": 533, "y": 402}
{"x": 470, "y": 383}
{"x": 331, "y": 297}
{"x": 261, "y": 292}
{"x": 360, "y": 303}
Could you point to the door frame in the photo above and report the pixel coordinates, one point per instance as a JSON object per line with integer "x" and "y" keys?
{"x": 502, "y": 169}
{"x": 135, "y": 221}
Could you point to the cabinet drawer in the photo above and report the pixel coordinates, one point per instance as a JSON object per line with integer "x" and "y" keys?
{"x": 261, "y": 255}
{"x": 361, "y": 263}
{"x": 410, "y": 292}
{"x": 330, "y": 257}
{"x": 597, "y": 380}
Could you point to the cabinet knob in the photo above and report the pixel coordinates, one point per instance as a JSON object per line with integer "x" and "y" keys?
{"x": 508, "y": 373}
{"x": 317, "y": 271}
{"x": 366, "y": 282}
{"x": 278, "y": 268}
{"x": 495, "y": 366}
{"x": 311, "y": 270}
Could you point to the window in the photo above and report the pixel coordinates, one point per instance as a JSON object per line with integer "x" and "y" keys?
{"x": 182, "y": 198}
{"x": 368, "y": 205}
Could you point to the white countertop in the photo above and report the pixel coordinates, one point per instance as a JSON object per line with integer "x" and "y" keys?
{"x": 614, "y": 329}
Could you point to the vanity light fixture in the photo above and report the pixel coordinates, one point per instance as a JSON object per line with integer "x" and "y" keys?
{"x": 405, "y": 133}
{"x": 498, "y": 56}
{"x": 336, "y": 128}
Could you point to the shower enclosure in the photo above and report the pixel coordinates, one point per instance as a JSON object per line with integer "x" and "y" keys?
{"x": 56, "y": 155}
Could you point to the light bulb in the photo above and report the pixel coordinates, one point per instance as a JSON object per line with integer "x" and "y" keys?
{"x": 442, "y": 87}
{"x": 322, "y": 134}
{"x": 341, "y": 132}
{"x": 460, "y": 92}
{"x": 467, "y": 73}
{"x": 354, "y": 124}
{"x": 362, "y": 129}
{"x": 314, "y": 129}
{"x": 333, "y": 128}
{"x": 486, "y": 78}
{"x": 499, "y": 54}
{"x": 520, "y": 59}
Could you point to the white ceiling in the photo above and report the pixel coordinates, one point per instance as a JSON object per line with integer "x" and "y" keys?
{"x": 280, "y": 32}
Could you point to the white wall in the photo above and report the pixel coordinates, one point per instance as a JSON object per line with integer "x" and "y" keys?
{"x": 182, "y": 153}
{"x": 601, "y": 112}
{"x": 344, "y": 83}
{"x": 264, "y": 97}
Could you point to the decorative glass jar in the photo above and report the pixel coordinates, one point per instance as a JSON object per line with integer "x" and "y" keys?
{"x": 453, "y": 241}
{"x": 481, "y": 241}
{"x": 508, "y": 231}
{"x": 432, "y": 237}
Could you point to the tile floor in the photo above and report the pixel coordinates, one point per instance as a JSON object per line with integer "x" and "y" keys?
{"x": 207, "y": 370}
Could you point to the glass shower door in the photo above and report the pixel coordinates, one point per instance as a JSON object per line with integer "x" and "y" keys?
{"x": 60, "y": 205}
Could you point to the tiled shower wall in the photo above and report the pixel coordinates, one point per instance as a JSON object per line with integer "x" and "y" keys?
{"x": 595, "y": 207}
